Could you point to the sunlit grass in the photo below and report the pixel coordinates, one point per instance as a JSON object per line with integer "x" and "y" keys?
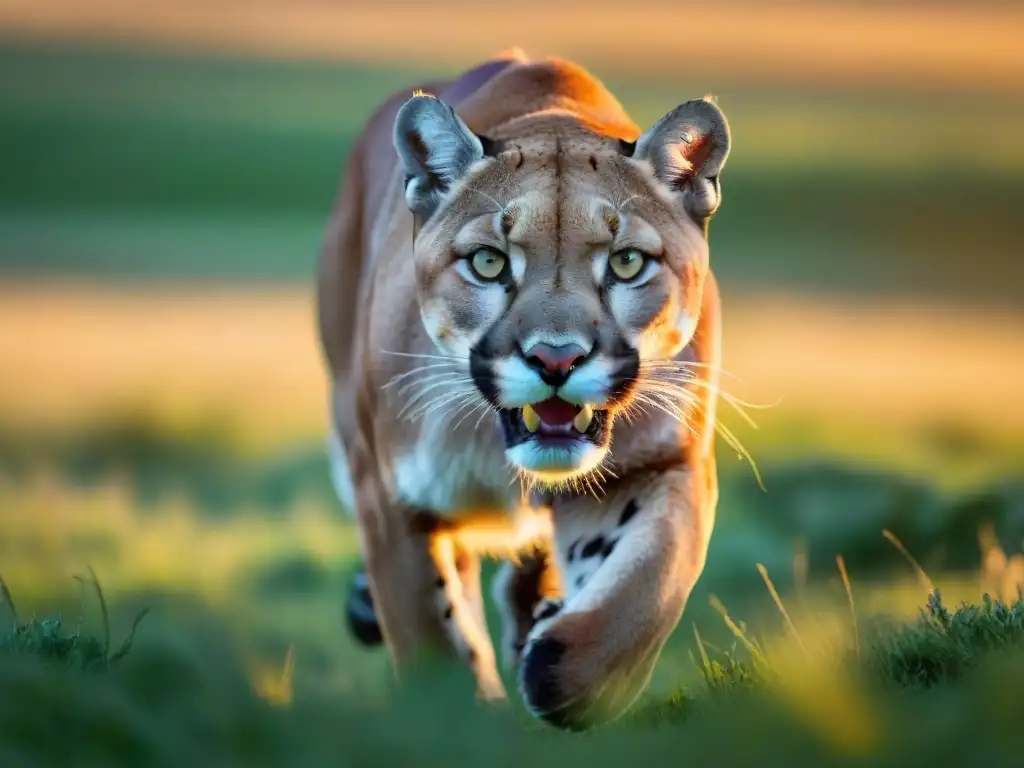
{"x": 267, "y": 583}
{"x": 52, "y": 529}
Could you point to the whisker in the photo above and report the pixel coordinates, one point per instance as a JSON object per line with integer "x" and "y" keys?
{"x": 478, "y": 403}
{"x": 435, "y": 403}
{"x": 483, "y": 416}
{"x": 690, "y": 365}
{"x": 429, "y": 388}
{"x": 737, "y": 404}
{"x": 672, "y": 410}
{"x": 449, "y": 376}
{"x": 424, "y": 357}
{"x": 446, "y": 365}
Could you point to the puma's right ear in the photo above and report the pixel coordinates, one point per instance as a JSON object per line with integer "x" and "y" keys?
{"x": 435, "y": 148}
{"x": 688, "y": 148}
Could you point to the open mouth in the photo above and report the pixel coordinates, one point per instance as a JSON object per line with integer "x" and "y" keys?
{"x": 554, "y": 422}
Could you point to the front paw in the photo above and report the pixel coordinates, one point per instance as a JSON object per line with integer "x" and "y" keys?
{"x": 574, "y": 675}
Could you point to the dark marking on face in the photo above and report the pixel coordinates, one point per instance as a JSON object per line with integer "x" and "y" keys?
{"x": 593, "y": 547}
{"x": 593, "y": 162}
{"x": 448, "y": 611}
{"x": 627, "y": 148}
{"x": 482, "y": 371}
{"x": 608, "y": 548}
{"x": 627, "y": 513}
{"x": 440, "y": 582}
{"x": 519, "y": 160}
{"x": 626, "y": 368}
{"x": 580, "y": 581}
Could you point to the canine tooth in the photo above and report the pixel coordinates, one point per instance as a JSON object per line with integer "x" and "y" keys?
{"x": 530, "y": 418}
{"x": 583, "y": 418}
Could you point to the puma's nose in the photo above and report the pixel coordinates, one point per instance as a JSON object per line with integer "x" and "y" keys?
{"x": 554, "y": 364}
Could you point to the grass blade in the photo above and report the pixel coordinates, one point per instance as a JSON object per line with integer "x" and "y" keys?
{"x": 841, "y": 564}
{"x": 921, "y": 575}
{"x": 9, "y": 602}
{"x": 782, "y": 608}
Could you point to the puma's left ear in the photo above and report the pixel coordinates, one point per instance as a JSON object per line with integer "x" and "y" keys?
{"x": 435, "y": 148}
{"x": 688, "y": 148}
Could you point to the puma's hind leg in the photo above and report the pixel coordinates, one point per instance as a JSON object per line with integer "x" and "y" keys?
{"x": 426, "y": 594}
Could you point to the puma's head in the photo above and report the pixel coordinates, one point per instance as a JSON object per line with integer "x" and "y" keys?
{"x": 557, "y": 263}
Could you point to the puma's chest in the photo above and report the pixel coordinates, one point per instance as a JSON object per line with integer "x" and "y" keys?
{"x": 448, "y": 472}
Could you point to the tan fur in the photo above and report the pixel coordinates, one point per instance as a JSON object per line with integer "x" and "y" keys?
{"x": 434, "y": 489}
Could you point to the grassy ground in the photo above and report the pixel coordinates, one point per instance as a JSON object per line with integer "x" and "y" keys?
{"x": 243, "y": 657}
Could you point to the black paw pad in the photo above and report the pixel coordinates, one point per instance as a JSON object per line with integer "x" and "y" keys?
{"x": 538, "y": 681}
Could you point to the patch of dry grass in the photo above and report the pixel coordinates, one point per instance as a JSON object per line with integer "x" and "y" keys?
{"x": 53, "y": 529}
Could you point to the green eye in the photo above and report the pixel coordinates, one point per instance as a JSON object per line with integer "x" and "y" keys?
{"x": 626, "y": 264}
{"x": 487, "y": 264}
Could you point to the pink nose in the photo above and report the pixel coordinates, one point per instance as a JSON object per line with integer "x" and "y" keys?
{"x": 554, "y": 362}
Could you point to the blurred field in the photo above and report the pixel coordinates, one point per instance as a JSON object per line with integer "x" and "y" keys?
{"x": 833, "y": 42}
{"x": 163, "y": 405}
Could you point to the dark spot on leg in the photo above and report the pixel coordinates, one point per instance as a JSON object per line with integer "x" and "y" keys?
{"x": 549, "y": 610}
{"x": 361, "y": 616}
{"x": 593, "y": 546}
{"x": 627, "y": 514}
{"x": 593, "y": 162}
{"x": 426, "y": 522}
{"x": 448, "y": 611}
{"x": 571, "y": 554}
{"x": 608, "y": 548}
{"x": 538, "y": 680}
{"x": 471, "y": 656}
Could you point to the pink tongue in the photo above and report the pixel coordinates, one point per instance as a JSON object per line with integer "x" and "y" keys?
{"x": 555, "y": 410}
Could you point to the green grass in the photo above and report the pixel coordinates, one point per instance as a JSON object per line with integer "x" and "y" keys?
{"x": 121, "y": 164}
{"x": 49, "y": 640}
{"x": 244, "y": 657}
